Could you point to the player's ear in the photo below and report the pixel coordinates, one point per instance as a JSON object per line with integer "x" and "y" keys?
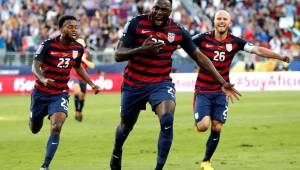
{"x": 230, "y": 24}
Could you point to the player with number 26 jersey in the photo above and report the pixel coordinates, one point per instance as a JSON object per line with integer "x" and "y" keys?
{"x": 221, "y": 54}
{"x": 210, "y": 102}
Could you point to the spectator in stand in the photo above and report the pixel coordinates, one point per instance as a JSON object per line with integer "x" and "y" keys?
{"x": 37, "y": 20}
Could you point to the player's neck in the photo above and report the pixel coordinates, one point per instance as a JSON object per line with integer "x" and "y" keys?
{"x": 219, "y": 36}
{"x": 64, "y": 41}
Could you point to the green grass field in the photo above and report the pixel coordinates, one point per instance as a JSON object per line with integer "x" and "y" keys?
{"x": 261, "y": 133}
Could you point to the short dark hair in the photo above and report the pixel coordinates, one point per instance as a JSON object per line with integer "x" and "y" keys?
{"x": 170, "y": 1}
{"x": 63, "y": 19}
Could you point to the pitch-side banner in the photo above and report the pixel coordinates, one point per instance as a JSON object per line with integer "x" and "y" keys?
{"x": 184, "y": 82}
{"x": 247, "y": 81}
{"x": 24, "y": 84}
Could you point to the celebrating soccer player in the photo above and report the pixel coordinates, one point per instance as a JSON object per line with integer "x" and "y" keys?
{"x": 210, "y": 103}
{"x": 79, "y": 86}
{"x": 52, "y": 65}
{"x": 148, "y": 43}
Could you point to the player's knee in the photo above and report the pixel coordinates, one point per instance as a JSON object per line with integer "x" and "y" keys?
{"x": 166, "y": 120}
{"x": 81, "y": 96}
{"x": 217, "y": 127}
{"x": 35, "y": 130}
{"x": 126, "y": 128}
{"x": 56, "y": 127}
{"x": 166, "y": 124}
{"x": 203, "y": 126}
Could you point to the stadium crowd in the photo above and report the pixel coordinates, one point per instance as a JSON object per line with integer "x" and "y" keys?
{"x": 26, "y": 23}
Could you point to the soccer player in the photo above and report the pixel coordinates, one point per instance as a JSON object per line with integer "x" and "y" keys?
{"x": 52, "y": 65}
{"x": 79, "y": 86}
{"x": 148, "y": 43}
{"x": 210, "y": 103}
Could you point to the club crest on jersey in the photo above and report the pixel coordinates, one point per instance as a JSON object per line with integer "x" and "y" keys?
{"x": 171, "y": 37}
{"x": 229, "y": 47}
{"x": 75, "y": 54}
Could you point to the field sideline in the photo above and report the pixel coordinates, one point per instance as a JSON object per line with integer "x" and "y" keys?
{"x": 261, "y": 133}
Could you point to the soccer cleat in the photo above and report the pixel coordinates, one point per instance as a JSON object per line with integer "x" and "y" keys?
{"x": 78, "y": 118}
{"x": 206, "y": 165}
{"x": 115, "y": 161}
{"x": 44, "y": 168}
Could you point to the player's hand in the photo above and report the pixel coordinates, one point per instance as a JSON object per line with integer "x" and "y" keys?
{"x": 47, "y": 82}
{"x": 95, "y": 88}
{"x": 151, "y": 47}
{"x": 286, "y": 59}
{"x": 231, "y": 92}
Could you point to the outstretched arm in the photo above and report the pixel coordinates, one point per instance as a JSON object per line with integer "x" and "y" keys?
{"x": 83, "y": 74}
{"x": 264, "y": 52}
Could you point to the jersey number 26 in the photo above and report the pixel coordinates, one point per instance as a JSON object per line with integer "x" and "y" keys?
{"x": 220, "y": 56}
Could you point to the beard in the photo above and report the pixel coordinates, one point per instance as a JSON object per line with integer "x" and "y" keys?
{"x": 68, "y": 37}
{"x": 163, "y": 21}
{"x": 222, "y": 31}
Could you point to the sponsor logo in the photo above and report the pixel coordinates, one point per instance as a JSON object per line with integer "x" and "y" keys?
{"x": 60, "y": 54}
{"x": 104, "y": 84}
{"x": 21, "y": 84}
{"x": 54, "y": 53}
{"x": 167, "y": 127}
{"x": 209, "y": 45}
{"x": 115, "y": 156}
{"x": 145, "y": 31}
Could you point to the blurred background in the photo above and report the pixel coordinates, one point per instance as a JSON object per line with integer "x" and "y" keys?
{"x": 24, "y": 24}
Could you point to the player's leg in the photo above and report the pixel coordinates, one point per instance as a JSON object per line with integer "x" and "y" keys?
{"x": 211, "y": 145}
{"x": 219, "y": 110}
{"x": 162, "y": 100}
{"x": 57, "y": 119}
{"x": 38, "y": 110}
{"x": 165, "y": 112}
{"x": 202, "y": 110}
{"x": 213, "y": 140}
{"x": 58, "y": 110}
{"x": 77, "y": 93}
{"x": 121, "y": 134}
{"x": 80, "y": 100}
{"x": 132, "y": 101}
{"x": 35, "y": 125}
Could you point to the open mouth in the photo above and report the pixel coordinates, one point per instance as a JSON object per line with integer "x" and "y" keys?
{"x": 158, "y": 20}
